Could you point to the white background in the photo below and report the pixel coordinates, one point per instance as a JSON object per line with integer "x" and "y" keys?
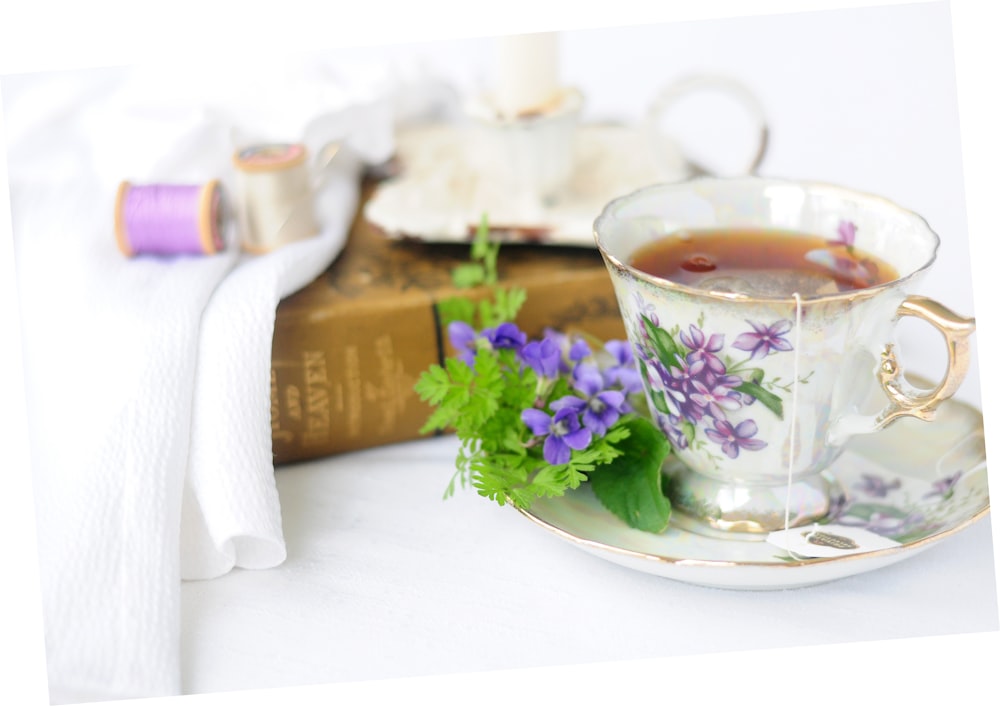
{"x": 867, "y": 98}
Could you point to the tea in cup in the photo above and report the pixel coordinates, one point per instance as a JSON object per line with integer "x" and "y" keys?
{"x": 762, "y": 315}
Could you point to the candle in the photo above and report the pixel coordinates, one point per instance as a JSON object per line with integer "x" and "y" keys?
{"x": 528, "y": 71}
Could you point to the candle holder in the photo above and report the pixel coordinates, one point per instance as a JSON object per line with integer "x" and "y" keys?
{"x": 530, "y": 154}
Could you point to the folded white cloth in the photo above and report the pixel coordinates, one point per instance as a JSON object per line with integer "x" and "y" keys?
{"x": 148, "y": 379}
{"x": 110, "y": 351}
{"x": 231, "y": 511}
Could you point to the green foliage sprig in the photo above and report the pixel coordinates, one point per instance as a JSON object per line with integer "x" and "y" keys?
{"x": 537, "y": 418}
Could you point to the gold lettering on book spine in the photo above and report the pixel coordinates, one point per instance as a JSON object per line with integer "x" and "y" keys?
{"x": 352, "y": 378}
{"x": 293, "y": 403}
{"x": 277, "y": 433}
{"x": 394, "y": 386}
{"x": 317, "y": 427}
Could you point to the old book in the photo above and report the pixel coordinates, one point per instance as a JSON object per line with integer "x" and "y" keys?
{"x": 349, "y": 347}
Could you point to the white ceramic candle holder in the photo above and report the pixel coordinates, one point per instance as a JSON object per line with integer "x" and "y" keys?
{"x": 531, "y": 154}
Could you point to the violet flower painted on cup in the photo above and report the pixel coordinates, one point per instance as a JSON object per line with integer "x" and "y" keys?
{"x": 842, "y": 259}
{"x": 696, "y": 382}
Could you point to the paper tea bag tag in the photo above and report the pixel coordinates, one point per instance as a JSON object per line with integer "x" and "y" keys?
{"x": 829, "y": 541}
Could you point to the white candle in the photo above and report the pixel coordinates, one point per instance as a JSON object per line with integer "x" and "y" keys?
{"x": 528, "y": 72}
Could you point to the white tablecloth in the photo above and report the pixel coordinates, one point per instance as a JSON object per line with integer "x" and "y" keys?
{"x": 384, "y": 579}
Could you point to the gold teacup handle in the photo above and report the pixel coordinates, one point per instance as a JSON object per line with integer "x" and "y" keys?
{"x": 904, "y": 401}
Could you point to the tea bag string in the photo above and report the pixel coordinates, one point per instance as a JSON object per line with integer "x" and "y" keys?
{"x": 795, "y": 405}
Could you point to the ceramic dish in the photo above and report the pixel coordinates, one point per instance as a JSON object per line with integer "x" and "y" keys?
{"x": 916, "y": 483}
{"x": 445, "y": 185}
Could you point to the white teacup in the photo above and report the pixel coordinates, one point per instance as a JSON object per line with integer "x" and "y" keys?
{"x": 786, "y": 378}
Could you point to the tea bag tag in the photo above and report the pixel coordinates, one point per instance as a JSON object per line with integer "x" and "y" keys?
{"x": 826, "y": 541}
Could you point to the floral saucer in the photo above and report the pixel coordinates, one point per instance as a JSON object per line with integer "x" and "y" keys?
{"x": 914, "y": 483}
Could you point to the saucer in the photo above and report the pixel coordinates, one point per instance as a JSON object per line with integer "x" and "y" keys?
{"x": 915, "y": 482}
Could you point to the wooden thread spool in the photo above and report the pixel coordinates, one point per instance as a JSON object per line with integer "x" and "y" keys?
{"x": 277, "y": 196}
{"x": 169, "y": 219}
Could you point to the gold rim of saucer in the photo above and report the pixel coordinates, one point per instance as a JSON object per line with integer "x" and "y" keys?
{"x": 721, "y": 563}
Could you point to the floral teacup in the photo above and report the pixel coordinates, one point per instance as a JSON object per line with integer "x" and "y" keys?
{"x": 759, "y": 393}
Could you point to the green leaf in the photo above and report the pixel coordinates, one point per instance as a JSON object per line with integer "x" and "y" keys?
{"x": 688, "y": 428}
{"x": 450, "y": 389}
{"x": 481, "y": 241}
{"x": 468, "y": 274}
{"x": 657, "y": 397}
{"x": 456, "y": 309}
{"x": 486, "y": 251}
{"x": 509, "y": 303}
{"x": 768, "y": 399}
{"x": 432, "y": 385}
{"x": 631, "y": 485}
{"x": 663, "y": 344}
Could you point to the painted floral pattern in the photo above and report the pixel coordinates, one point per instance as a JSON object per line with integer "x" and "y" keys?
{"x": 843, "y": 260}
{"x": 698, "y": 382}
{"x": 904, "y": 511}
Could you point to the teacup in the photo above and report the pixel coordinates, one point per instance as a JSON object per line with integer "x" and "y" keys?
{"x": 758, "y": 391}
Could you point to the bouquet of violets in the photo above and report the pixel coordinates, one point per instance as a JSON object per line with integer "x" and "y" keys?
{"x": 539, "y": 417}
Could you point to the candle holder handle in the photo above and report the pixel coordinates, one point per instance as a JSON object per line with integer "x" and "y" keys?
{"x": 664, "y": 148}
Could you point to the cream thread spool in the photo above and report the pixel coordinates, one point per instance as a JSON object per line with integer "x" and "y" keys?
{"x": 277, "y": 196}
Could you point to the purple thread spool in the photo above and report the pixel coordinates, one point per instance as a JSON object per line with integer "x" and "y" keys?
{"x": 165, "y": 219}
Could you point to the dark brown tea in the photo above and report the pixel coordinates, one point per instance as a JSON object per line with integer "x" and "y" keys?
{"x": 763, "y": 261}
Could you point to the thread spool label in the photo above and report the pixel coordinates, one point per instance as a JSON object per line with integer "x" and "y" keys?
{"x": 270, "y": 157}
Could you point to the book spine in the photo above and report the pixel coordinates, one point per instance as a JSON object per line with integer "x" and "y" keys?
{"x": 343, "y": 380}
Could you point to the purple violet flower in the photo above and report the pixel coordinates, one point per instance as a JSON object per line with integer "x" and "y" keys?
{"x": 646, "y": 309}
{"x": 562, "y": 433}
{"x": 686, "y": 372}
{"x": 676, "y": 390}
{"x": 875, "y": 486}
{"x": 562, "y": 342}
{"x": 506, "y": 335}
{"x": 463, "y": 339}
{"x": 716, "y": 399}
{"x": 671, "y": 426}
{"x": 764, "y": 339}
{"x": 704, "y": 349}
{"x": 945, "y": 487}
{"x": 544, "y": 357}
{"x": 732, "y": 439}
{"x": 579, "y": 350}
{"x": 624, "y": 373}
{"x": 656, "y": 376}
{"x": 600, "y": 408}
{"x": 621, "y": 351}
{"x": 846, "y": 232}
{"x": 556, "y": 336}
